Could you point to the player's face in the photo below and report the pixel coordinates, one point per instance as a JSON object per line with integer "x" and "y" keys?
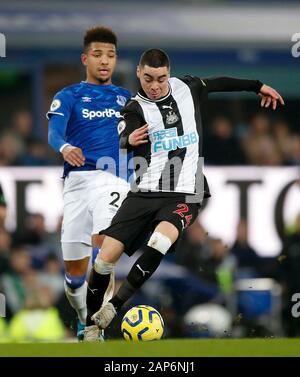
{"x": 154, "y": 81}
{"x": 100, "y": 61}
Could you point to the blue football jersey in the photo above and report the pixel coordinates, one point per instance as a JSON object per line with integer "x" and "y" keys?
{"x": 93, "y": 113}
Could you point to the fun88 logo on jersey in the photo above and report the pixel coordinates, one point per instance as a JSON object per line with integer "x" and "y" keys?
{"x": 168, "y": 140}
{"x": 107, "y": 113}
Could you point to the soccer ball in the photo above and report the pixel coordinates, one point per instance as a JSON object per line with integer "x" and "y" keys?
{"x": 142, "y": 322}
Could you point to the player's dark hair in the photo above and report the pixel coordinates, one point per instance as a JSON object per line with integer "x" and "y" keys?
{"x": 155, "y": 58}
{"x": 99, "y": 34}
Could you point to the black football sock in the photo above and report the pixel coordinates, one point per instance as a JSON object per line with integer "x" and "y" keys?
{"x": 124, "y": 293}
{"x": 140, "y": 272}
{"x": 97, "y": 287}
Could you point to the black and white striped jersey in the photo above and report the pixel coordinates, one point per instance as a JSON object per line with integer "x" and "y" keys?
{"x": 169, "y": 162}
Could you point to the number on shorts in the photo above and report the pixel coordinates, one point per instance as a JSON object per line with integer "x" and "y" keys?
{"x": 116, "y": 197}
{"x": 183, "y": 208}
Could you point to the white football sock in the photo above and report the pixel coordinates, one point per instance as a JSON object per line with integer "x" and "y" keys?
{"x": 77, "y": 299}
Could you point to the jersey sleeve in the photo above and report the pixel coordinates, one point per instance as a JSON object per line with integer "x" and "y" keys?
{"x": 203, "y": 86}
{"x": 58, "y": 116}
{"x": 230, "y": 84}
{"x": 61, "y": 105}
{"x": 56, "y": 132}
{"x": 132, "y": 118}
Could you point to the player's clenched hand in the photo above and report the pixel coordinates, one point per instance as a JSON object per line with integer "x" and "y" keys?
{"x": 269, "y": 95}
{"x": 139, "y": 136}
{"x": 73, "y": 155}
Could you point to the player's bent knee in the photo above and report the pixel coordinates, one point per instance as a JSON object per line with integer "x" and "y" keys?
{"x": 76, "y": 267}
{"x": 160, "y": 242}
{"x": 74, "y": 282}
{"x": 102, "y": 267}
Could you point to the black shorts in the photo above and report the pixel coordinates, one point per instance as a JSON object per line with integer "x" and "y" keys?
{"x": 139, "y": 214}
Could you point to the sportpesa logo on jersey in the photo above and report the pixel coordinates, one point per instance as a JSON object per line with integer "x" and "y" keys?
{"x": 168, "y": 140}
{"x": 108, "y": 113}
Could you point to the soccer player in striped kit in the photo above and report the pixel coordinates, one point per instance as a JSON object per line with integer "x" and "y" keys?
{"x": 162, "y": 126}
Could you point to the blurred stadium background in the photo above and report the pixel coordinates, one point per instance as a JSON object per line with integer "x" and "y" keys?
{"x": 237, "y": 270}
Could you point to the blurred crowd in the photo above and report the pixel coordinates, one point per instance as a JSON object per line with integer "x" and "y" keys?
{"x": 262, "y": 141}
{"x": 19, "y": 148}
{"x": 202, "y": 285}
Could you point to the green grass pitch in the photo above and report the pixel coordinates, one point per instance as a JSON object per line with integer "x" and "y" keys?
{"x": 164, "y": 348}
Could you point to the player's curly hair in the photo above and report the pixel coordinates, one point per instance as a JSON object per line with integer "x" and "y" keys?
{"x": 99, "y": 34}
{"x": 155, "y": 58}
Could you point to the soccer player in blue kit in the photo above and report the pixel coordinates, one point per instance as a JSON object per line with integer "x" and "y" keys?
{"x": 83, "y": 121}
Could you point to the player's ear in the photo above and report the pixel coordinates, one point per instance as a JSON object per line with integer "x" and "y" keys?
{"x": 138, "y": 71}
{"x": 84, "y": 59}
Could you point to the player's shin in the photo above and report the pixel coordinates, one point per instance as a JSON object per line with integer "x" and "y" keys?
{"x": 140, "y": 272}
{"x": 111, "y": 286}
{"x": 76, "y": 290}
{"x": 100, "y": 287}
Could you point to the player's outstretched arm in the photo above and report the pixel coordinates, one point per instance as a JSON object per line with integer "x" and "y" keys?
{"x": 269, "y": 95}
{"x": 232, "y": 84}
